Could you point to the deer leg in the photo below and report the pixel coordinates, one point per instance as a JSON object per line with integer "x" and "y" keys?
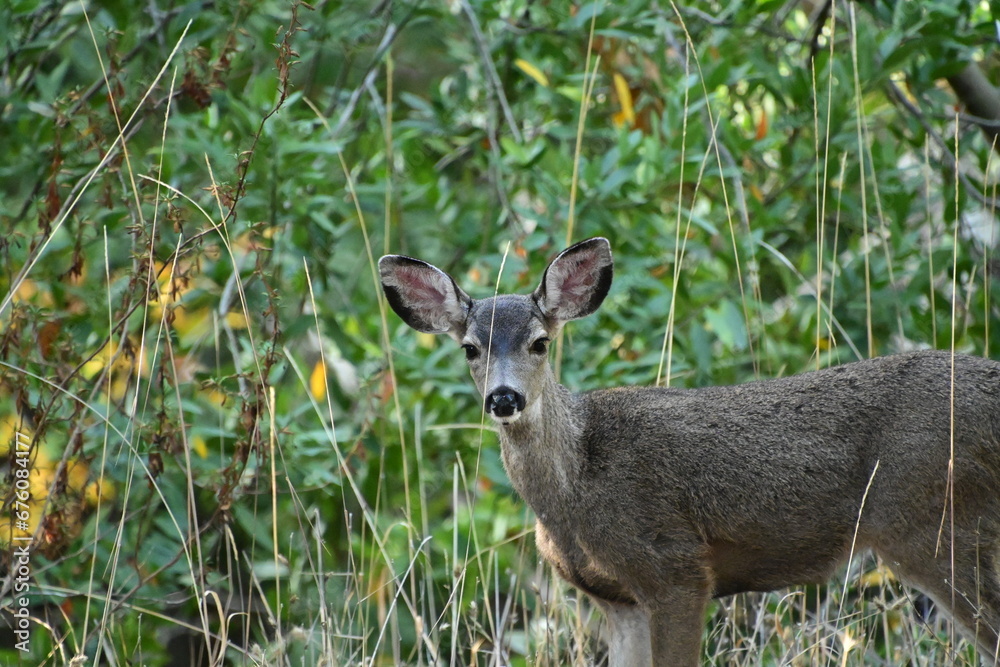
{"x": 628, "y": 640}
{"x": 676, "y": 624}
{"x": 986, "y": 629}
{"x": 970, "y": 595}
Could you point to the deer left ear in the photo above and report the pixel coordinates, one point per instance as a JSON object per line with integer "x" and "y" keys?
{"x": 424, "y": 296}
{"x": 576, "y": 281}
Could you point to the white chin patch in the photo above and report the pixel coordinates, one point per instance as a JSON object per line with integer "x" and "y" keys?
{"x": 507, "y": 420}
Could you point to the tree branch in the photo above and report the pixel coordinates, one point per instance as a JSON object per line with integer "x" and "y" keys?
{"x": 981, "y": 98}
{"x": 948, "y": 160}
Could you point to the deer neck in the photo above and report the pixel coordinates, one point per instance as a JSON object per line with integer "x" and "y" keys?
{"x": 540, "y": 449}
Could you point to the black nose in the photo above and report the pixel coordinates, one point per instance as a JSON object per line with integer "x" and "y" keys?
{"x": 504, "y": 402}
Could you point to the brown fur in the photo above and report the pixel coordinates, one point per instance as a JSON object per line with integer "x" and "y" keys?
{"x": 653, "y": 500}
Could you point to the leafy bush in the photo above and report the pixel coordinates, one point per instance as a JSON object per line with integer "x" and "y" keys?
{"x": 236, "y": 454}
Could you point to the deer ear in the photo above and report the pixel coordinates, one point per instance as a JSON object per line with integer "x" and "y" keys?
{"x": 576, "y": 281}
{"x": 424, "y": 296}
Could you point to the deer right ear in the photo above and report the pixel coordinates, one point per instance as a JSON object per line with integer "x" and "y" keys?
{"x": 424, "y": 296}
{"x": 577, "y": 280}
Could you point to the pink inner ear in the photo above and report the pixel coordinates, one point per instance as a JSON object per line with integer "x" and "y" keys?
{"x": 578, "y": 279}
{"x": 421, "y": 285}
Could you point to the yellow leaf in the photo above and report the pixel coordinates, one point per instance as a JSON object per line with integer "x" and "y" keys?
{"x": 624, "y": 99}
{"x": 426, "y": 340}
{"x": 99, "y": 361}
{"x": 27, "y": 292}
{"x": 532, "y": 71}
{"x": 77, "y": 474}
{"x": 198, "y": 446}
{"x": 215, "y": 397}
{"x": 317, "y": 381}
{"x": 39, "y": 482}
{"x": 878, "y": 577}
{"x": 236, "y": 320}
{"x": 102, "y": 489}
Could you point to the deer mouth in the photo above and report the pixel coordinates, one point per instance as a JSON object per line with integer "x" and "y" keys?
{"x": 506, "y": 421}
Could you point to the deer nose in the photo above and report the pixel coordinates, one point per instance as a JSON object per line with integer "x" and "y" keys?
{"x": 504, "y": 402}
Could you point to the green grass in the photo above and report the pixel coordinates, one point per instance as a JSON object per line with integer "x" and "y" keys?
{"x": 238, "y": 456}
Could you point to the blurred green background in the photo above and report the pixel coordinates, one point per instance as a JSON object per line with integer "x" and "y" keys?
{"x": 238, "y": 456}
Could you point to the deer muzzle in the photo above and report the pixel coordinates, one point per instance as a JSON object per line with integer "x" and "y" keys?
{"x": 504, "y": 402}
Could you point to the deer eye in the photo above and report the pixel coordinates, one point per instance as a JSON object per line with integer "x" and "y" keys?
{"x": 471, "y": 351}
{"x": 540, "y": 346}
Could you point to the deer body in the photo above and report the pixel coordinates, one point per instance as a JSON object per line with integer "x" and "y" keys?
{"x": 653, "y": 500}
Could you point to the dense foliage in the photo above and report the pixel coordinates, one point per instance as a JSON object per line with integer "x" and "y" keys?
{"x": 237, "y": 454}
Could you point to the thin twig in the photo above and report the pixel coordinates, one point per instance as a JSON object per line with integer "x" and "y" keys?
{"x": 390, "y": 34}
{"x": 947, "y": 157}
{"x": 491, "y": 71}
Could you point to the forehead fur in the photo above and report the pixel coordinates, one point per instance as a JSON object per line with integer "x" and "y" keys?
{"x": 516, "y": 319}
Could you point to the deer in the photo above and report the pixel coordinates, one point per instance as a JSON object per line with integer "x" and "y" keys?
{"x": 654, "y": 500}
